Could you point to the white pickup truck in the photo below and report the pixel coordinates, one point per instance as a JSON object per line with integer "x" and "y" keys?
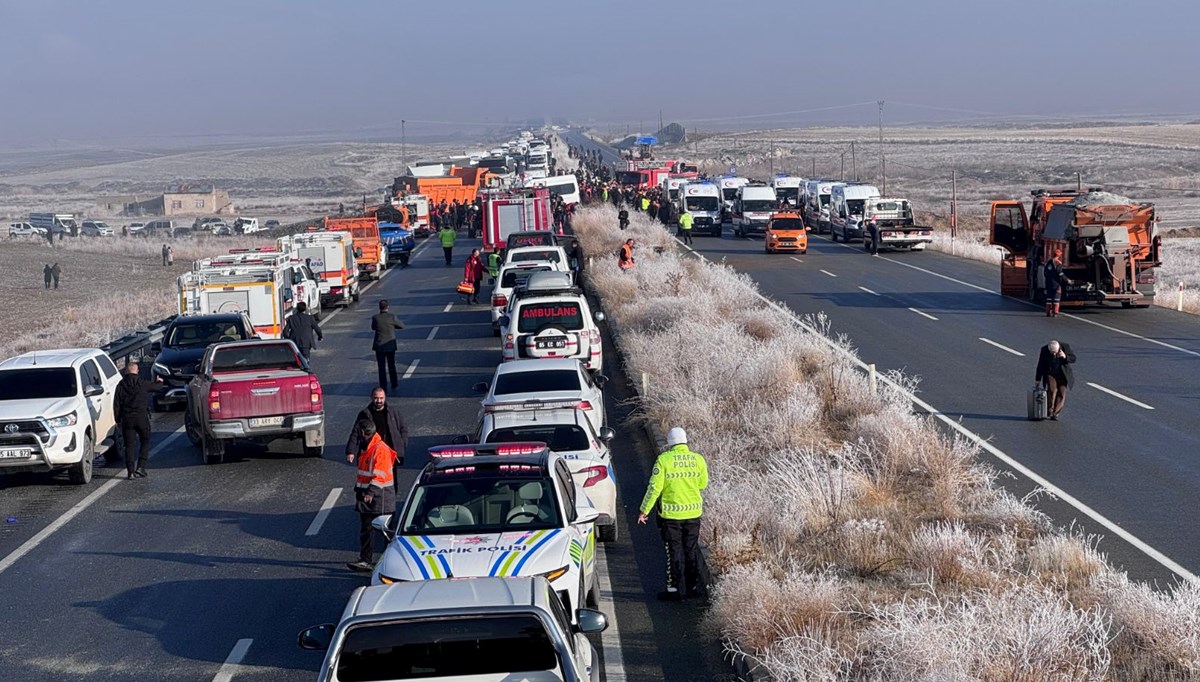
{"x": 895, "y": 227}
{"x": 56, "y": 406}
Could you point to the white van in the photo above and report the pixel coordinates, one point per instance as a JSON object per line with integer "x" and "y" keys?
{"x": 565, "y": 186}
{"x": 703, "y": 201}
{"x": 752, "y": 209}
{"x": 671, "y": 187}
{"x": 787, "y": 189}
{"x": 846, "y": 204}
{"x": 729, "y": 187}
{"x": 815, "y": 204}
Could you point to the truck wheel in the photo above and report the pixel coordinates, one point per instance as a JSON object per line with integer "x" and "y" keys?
{"x": 607, "y": 533}
{"x": 354, "y": 295}
{"x": 214, "y": 450}
{"x": 81, "y": 473}
{"x": 191, "y": 428}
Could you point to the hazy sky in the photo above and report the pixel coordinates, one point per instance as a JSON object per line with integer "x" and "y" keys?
{"x": 89, "y": 69}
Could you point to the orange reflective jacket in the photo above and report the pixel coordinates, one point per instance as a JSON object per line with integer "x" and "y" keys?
{"x": 375, "y": 465}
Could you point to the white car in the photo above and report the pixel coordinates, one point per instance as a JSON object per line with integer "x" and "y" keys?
{"x": 135, "y": 228}
{"x": 25, "y": 230}
{"x": 552, "y": 325}
{"x": 550, "y": 254}
{"x": 510, "y": 278}
{"x": 545, "y": 384}
{"x": 95, "y": 228}
{"x": 504, "y": 510}
{"x": 56, "y": 406}
{"x": 567, "y": 431}
{"x": 471, "y": 629}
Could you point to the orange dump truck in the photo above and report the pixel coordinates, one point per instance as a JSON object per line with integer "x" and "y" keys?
{"x": 462, "y": 183}
{"x": 1109, "y": 245}
{"x": 368, "y": 247}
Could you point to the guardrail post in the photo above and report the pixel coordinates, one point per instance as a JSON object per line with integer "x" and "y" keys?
{"x": 645, "y": 385}
{"x": 1179, "y": 300}
{"x": 871, "y": 377}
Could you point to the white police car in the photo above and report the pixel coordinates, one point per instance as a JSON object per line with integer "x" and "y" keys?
{"x": 498, "y": 510}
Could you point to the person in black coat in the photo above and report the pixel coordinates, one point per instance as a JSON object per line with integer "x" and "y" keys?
{"x": 385, "y": 324}
{"x": 302, "y": 329}
{"x": 1054, "y": 372}
{"x": 389, "y": 424}
{"x": 133, "y": 418}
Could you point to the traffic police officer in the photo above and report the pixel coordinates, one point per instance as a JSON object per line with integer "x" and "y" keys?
{"x": 678, "y": 477}
{"x": 685, "y": 226}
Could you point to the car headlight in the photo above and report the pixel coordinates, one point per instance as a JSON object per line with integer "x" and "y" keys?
{"x": 557, "y": 573}
{"x": 161, "y": 368}
{"x": 64, "y": 421}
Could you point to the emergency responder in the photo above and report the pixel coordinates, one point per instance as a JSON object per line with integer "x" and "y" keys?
{"x": 1055, "y": 279}
{"x": 685, "y": 226}
{"x": 494, "y": 259}
{"x": 678, "y": 477}
{"x": 473, "y": 273}
{"x": 302, "y": 329}
{"x": 389, "y": 424}
{"x": 446, "y": 236}
{"x": 374, "y": 490}
{"x": 625, "y": 255}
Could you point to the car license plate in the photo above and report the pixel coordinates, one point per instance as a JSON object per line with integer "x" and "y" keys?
{"x": 546, "y": 344}
{"x": 15, "y": 453}
{"x": 256, "y": 422}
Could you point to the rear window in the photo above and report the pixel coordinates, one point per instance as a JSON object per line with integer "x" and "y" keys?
{"x": 256, "y": 356}
{"x": 518, "y": 277}
{"x": 558, "y": 437}
{"x": 534, "y": 382}
{"x": 534, "y": 317}
{"x": 547, "y": 255}
{"x": 446, "y": 647}
{"x": 538, "y": 239}
{"x": 200, "y": 334}
{"x": 36, "y": 384}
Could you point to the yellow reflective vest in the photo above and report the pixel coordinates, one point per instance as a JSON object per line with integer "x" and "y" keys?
{"x": 685, "y": 221}
{"x": 678, "y": 477}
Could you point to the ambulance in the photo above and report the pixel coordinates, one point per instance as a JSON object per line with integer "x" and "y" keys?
{"x": 332, "y": 257}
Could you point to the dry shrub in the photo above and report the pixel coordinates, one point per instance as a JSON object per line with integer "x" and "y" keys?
{"x": 1071, "y": 562}
{"x": 1157, "y": 634}
{"x": 760, "y": 603}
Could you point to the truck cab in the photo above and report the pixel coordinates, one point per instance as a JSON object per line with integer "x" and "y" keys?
{"x": 847, "y": 204}
{"x": 752, "y": 209}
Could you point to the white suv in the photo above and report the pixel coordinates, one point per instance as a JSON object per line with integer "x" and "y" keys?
{"x": 25, "y": 230}
{"x": 552, "y": 324}
{"x": 55, "y": 407}
{"x": 509, "y": 278}
{"x": 96, "y": 228}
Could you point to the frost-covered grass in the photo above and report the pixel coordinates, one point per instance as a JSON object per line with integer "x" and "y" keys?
{"x": 851, "y": 538}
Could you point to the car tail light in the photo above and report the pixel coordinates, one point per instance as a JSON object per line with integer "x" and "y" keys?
{"x": 214, "y": 402}
{"x": 314, "y": 392}
{"x": 499, "y": 301}
{"x": 583, "y": 405}
{"x": 508, "y": 342}
{"x": 594, "y": 475}
{"x": 453, "y": 452}
{"x": 335, "y": 291}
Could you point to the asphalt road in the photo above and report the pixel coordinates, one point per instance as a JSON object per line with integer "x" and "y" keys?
{"x": 208, "y": 572}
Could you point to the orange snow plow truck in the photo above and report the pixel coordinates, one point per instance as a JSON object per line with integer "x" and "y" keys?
{"x": 461, "y": 183}
{"x": 1110, "y": 246}
{"x": 368, "y": 247}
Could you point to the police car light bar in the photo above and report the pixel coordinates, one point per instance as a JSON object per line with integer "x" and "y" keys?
{"x": 535, "y": 404}
{"x": 485, "y": 449}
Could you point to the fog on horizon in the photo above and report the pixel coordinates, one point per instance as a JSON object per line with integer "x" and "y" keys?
{"x": 83, "y": 71}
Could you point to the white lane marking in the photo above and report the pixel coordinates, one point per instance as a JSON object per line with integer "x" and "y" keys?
{"x": 1110, "y": 328}
{"x": 923, "y": 314}
{"x": 610, "y": 639}
{"x": 412, "y": 368}
{"x": 432, "y": 333}
{"x": 1002, "y": 347}
{"x": 323, "y": 512}
{"x": 829, "y": 273}
{"x": 233, "y": 661}
{"x": 1162, "y": 559}
{"x": 1126, "y": 398}
{"x": 448, "y": 307}
{"x": 361, "y": 291}
{"x": 796, "y": 259}
{"x": 873, "y": 293}
{"x": 78, "y": 509}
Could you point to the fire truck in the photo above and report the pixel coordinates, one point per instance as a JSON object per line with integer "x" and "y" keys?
{"x": 515, "y": 210}
{"x": 331, "y": 255}
{"x": 266, "y": 285}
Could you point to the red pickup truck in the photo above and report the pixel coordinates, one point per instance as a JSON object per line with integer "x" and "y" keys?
{"x": 254, "y": 390}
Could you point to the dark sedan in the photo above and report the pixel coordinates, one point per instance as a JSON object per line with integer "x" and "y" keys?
{"x": 184, "y": 343}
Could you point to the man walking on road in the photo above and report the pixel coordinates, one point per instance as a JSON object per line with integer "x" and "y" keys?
{"x": 678, "y": 477}
{"x": 374, "y": 490}
{"x": 302, "y": 329}
{"x": 685, "y": 226}
{"x": 446, "y": 236}
{"x": 389, "y": 424}
{"x": 133, "y": 419}
{"x": 385, "y": 324}
{"x": 1054, "y": 372}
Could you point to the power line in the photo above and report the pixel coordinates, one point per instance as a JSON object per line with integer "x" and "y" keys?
{"x": 777, "y": 113}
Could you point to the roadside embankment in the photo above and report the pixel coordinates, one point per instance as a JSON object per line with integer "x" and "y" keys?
{"x": 850, "y": 537}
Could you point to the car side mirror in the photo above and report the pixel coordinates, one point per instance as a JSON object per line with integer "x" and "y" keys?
{"x": 590, "y": 621}
{"x": 607, "y": 434}
{"x": 600, "y": 379}
{"x": 383, "y": 525}
{"x": 481, "y": 387}
{"x": 156, "y": 347}
{"x": 807, "y": 229}
{"x": 319, "y": 637}
{"x": 461, "y": 439}
{"x": 598, "y": 316}
{"x": 585, "y": 515}
{"x": 93, "y": 390}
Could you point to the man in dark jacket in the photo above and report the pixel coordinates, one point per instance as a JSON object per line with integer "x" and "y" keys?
{"x": 302, "y": 329}
{"x": 133, "y": 418}
{"x": 1054, "y": 372}
{"x": 385, "y": 324}
{"x": 389, "y": 424}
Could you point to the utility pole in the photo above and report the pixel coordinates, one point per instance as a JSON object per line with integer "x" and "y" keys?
{"x": 843, "y": 166}
{"x": 1078, "y": 181}
{"x": 403, "y": 146}
{"x": 953, "y": 207}
{"x": 853, "y": 161}
{"x": 660, "y": 121}
{"x": 814, "y": 167}
{"x": 882, "y": 164}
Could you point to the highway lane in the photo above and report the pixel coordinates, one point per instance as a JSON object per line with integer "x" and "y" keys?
{"x": 207, "y": 572}
{"x": 1129, "y": 463}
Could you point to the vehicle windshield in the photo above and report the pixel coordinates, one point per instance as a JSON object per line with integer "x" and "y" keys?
{"x": 37, "y": 384}
{"x": 730, "y": 193}
{"x": 855, "y": 206}
{"x": 537, "y": 381}
{"x": 193, "y": 334}
{"x": 789, "y": 193}
{"x": 824, "y": 201}
{"x": 702, "y": 203}
{"x": 533, "y": 317}
{"x": 787, "y": 224}
{"x": 562, "y": 188}
{"x": 452, "y": 647}
{"x": 888, "y": 207}
{"x": 256, "y": 356}
{"x": 749, "y": 205}
{"x": 630, "y": 177}
{"x": 558, "y": 437}
{"x": 461, "y": 501}
{"x": 519, "y": 276}
{"x": 527, "y": 256}
{"x": 494, "y": 164}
